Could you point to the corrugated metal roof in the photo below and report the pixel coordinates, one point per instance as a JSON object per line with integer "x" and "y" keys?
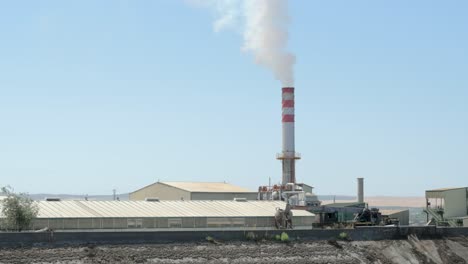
{"x": 98, "y": 209}
{"x": 446, "y": 189}
{"x": 207, "y": 187}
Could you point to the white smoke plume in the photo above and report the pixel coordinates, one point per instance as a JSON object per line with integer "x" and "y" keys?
{"x": 263, "y": 24}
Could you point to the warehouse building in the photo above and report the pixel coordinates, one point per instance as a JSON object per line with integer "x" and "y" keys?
{"x": 192, "y": 191}
{"x": 65, "y": 215}
{"x": 447, "y": 206}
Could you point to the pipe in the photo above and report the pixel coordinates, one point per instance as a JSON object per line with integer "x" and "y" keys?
{"x": 360, "y": 191}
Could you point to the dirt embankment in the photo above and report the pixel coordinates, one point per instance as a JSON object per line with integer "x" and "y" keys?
{"x": 412, "y": 250}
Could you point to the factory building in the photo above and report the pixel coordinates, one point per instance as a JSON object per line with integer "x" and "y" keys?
{"x": 448, "y": 206}
{"x": 192, "y": 191}
{"x": 65, "y": 215}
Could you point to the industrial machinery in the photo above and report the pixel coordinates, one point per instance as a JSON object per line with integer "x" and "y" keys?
{"x": 293, "y": 194}
{"x": 283, "y": 218}
{"x": 373, "y": 217}
{"x": 368, "y": 217}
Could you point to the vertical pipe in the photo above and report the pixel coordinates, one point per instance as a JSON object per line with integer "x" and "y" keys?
{"x": 360, "y": 191}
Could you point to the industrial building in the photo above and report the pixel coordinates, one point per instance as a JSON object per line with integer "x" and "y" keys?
{"x": 192, "y": 191}
{"x": 60, "y": 215}
{"x": 447, "y": 206}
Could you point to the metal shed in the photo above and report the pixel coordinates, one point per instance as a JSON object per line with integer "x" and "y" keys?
{"x": 453, "y": 202}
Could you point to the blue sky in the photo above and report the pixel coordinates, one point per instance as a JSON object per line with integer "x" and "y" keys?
{"x": 97, "y": 95}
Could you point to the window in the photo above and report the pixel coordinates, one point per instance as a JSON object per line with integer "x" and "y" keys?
{"x": 223, "y": 222}
{"x": 135, "y": 223}
{"x": 174, "y": 222}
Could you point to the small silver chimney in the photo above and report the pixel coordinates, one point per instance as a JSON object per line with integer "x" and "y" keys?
{"x": 360, "y": 190}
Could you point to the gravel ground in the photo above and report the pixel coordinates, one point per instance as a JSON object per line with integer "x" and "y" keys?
{"x": 412, "y": 250}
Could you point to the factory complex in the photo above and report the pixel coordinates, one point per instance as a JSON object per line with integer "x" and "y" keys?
{"x": 222, "y": 205}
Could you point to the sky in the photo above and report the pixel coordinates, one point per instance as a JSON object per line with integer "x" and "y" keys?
{"x": 103, "y": 95}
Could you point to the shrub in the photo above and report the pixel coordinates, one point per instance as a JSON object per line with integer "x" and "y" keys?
{"x": 284, "y": 237}
{"x": 18, "y": 209}
{"x": 251, "y": 236}
{"x": 343, "y": 236}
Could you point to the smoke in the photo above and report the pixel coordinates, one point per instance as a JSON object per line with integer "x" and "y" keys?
{"x": 263, "y": 25}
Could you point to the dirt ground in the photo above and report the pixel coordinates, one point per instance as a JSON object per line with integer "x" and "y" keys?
{"x": 412, "y": 250}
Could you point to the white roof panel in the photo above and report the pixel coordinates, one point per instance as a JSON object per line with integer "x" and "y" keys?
{"x": 98, "y": 209}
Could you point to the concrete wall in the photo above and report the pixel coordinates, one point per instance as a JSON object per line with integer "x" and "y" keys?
{"x": 223, "y": 196}
{"x": 465, "y": 222}
{"x": 162, "y": 191}
{"x": 14, "y": 239}
{"x": 455, "y": 203}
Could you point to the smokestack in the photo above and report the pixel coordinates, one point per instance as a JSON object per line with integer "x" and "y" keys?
{"x": 288, "y": 155}
{"x": 360, "y": 190}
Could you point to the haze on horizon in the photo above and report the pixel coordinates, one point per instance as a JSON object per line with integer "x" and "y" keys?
{"x": 102, "y": 95}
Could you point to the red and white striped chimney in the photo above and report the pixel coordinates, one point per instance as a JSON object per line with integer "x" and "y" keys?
{"x": 288, "y": 155}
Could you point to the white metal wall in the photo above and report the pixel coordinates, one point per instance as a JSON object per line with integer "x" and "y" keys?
{"x": 455, "y": 203}
{"x": 222, "y": 196}
{"x": 162, "y": 222}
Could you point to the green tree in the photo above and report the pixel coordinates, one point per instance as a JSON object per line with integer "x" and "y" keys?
{"x": 18, "y": 210}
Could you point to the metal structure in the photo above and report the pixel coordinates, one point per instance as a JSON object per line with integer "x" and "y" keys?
{"x": 283, "y": 218}
{"x": 298, "y": 195}
{"x": 288, "y": 190}
{"x": 447, "y": 206}
{"x": 288, "y": 156}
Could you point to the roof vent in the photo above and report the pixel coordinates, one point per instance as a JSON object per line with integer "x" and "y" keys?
{"x": 52, "y": 199}
{"x": 152, "y": 199}
{"x": 239, "y": 199}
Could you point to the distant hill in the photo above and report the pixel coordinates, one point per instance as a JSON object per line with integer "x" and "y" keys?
{"x": 336, "y": 197}
{"x": 43, "y": 196}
